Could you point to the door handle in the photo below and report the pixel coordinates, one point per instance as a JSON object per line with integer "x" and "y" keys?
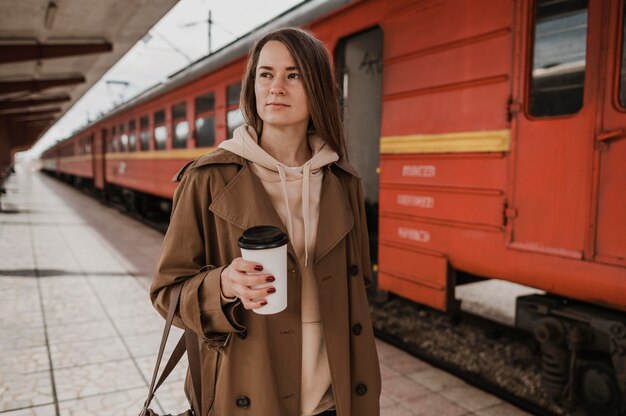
{"x": 612, "y": 134}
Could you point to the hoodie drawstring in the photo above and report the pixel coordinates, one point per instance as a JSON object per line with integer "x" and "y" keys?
{"x": 306, "y": 209}
{"x": 283, "y": 182}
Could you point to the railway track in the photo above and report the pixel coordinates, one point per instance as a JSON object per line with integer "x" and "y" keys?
{"x": 159, "y": 225}
{"x": 487, "y": 355}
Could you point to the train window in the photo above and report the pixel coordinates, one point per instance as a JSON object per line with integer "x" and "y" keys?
{"x": 234, "y": 117}
{"x": 559, "y": 54}
{"x": 622, "y": 76}
{"x": 144, "y": 133}
{"x": 205, "y": 131}
{"x": 160, "y": 137}
{"x": 205, "y": 103}
{"x": 159, "y": 117}
{"x": 123, "y": 139}
{"x": 180, "y": 125}
{"x": 179, "y": 111}
{"x": 108, "y": 141}
{"x": 160, "y": 131}
{"x": 233, "y": 91}
{"x": 181, "y": 133}
{"x": 113, "y": 139}
{"x": 132, "y": 135}
{"x": 205, "y": 120}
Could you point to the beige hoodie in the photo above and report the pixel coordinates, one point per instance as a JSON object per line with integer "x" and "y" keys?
{"x": 295, "y": 194}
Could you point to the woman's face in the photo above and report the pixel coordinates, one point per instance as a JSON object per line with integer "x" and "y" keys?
{"x": 280, "y": 97}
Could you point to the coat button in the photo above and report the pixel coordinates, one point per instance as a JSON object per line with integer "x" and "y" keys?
{"x": 361, "y": 389}
{"x": 243, "y": 402}
{"x": 354, "y": 270}
{"x": 356, "y": 329}
{"x": 242, "y": 334}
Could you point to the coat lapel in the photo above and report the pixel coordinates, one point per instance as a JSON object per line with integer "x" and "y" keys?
{"x": 336, "y": 218}
{"x": 244, "y": 203}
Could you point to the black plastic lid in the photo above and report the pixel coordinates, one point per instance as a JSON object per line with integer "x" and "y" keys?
{"x": 262, "y": 237}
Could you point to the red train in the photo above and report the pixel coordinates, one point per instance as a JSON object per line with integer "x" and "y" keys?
{"x": 490, "y": 138}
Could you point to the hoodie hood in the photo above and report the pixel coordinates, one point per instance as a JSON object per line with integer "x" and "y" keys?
{"x": 245, "y": 143}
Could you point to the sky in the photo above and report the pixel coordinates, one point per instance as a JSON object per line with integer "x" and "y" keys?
{"x": 178, "y": 39}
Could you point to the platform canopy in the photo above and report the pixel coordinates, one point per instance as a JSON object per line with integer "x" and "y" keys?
{"x": 53, "y": 51}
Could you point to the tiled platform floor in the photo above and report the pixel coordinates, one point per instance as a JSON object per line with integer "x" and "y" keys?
{"x": 78, "y": 335}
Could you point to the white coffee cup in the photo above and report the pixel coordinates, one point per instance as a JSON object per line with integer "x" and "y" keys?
{"x": 267, "y": 245}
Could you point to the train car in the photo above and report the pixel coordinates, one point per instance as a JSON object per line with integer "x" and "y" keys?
{"x": 490, "y": 140}
{"x": 49, "y": 160}
{"x": 73, "y": 159}
{"x": 148, "y": 144}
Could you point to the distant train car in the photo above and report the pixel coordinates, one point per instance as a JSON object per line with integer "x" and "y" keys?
{"x": 490, "y": 136}
{"x": 72, "y": 159}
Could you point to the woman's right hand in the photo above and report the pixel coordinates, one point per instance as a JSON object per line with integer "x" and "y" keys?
{"x": 236, "y": 283}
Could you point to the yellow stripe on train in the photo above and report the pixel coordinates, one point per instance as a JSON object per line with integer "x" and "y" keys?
{"x": 463, "y": 142}
{"x": 153, "y": 154}
{"x": 162, "y": 154}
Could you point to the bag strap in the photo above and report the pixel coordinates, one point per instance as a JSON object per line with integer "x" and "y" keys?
{"x": 193, "y": 355}
{"x": 177, "y": 354}
{"x": 189, "y": 342}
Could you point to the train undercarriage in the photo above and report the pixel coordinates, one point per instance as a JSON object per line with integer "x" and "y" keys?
{"x": 583, "y": 350}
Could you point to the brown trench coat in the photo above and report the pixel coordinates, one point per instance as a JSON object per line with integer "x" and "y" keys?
{"x": 251, "y": 363}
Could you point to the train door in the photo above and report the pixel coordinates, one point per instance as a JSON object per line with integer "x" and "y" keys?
{"x": 610, "y": 143}
{"x": 553, "y": 154}
{"x": 94, "y": 151}
{"x": 359, "y": 62}
{"x": 103, "y": 149}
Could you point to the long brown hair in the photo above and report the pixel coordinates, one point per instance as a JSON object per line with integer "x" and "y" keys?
{"x": 313, "y": 63}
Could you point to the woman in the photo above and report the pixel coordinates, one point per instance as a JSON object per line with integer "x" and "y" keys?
{"x": 287, "y": 167}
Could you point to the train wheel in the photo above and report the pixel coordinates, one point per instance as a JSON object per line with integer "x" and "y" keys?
{"x": 130, "y": 200}
{"x": 143, "y": 205}
{"x": 598, "y": 389}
